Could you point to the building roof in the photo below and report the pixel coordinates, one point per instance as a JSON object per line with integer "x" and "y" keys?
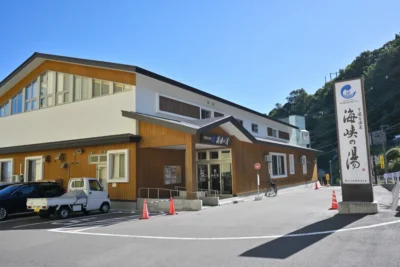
{"x": 228, "y": 123}
{"x": 37, "y": 58}
{"x": 195, "y": 127}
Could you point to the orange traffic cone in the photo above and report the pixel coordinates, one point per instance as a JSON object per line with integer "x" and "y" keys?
{"x": 334, "y": 201}
{"x": 171, "y": 206}
{"x": 316, "y": 185}
{"x": 145, "y": 214}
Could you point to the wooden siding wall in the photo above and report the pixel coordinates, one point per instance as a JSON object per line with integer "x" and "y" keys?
{"x": 92, "y": 72}
{"x": 156, "y": 136}
{"x": 151, "y": 162}
{"x": 53, "y": 171}
{"x": 244, "y": 155}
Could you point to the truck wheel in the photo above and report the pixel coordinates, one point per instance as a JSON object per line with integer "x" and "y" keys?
{"x": 44, "y": 214}
{"x": 63, "y": 213}
{"x": 3, "y": 213}
{"x": 105, "y": 207}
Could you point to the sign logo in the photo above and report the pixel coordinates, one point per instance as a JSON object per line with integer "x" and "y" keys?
{"x": 346, "y": 92}
{"x": 215, "y": 139}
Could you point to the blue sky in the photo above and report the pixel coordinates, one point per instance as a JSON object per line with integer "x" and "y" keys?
{"x": 251, "y": 52}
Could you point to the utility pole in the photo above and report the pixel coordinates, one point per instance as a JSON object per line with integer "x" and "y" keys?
{"x": 383, "y": 133}
{"x": 373, "y": 157}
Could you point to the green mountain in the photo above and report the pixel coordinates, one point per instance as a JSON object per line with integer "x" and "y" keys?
{"x": 381, "y": 71}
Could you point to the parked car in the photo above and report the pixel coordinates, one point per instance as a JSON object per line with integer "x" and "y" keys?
{"x": 13, "y": 198}
{"x": 5, "y": 185}
{"x": 84, "y": 195}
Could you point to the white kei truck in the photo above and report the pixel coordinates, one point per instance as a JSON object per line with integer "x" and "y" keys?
{"x": 84, "y": 195}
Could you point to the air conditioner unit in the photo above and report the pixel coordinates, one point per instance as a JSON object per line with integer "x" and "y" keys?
{"x": 267, "y": 158}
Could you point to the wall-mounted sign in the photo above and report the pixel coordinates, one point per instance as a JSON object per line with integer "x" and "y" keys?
{"x": 172, "y": 174}
{"x": 215, "y": 139}
{"x": 351, "y": 130}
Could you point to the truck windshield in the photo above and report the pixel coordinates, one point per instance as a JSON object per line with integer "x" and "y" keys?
{"x": 9, "y": 190}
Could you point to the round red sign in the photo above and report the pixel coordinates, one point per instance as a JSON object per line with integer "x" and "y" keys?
{"x": 257, "y": 166}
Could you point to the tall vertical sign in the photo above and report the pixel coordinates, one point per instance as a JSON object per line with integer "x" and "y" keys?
{"x": 352, "y": 132}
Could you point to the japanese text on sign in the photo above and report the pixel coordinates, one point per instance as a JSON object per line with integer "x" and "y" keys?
{"x": 351, "y": 132}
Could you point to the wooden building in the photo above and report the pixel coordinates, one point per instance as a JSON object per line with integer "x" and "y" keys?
{"x": 133, "y": 129}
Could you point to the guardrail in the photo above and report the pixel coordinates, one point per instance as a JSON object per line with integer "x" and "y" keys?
{"x": 389, "y": 178}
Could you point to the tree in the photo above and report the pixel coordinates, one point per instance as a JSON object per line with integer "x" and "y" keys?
{"x": 380, "y": 69}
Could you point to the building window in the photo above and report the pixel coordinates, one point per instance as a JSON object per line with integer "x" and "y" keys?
{"x": 201, "y": 155}
{"x": 98, "y": 159}
{"x": 254, "y": 128}
{"x": 6, "y": 170}
{"x": 205, "y": 114}
{"x": 217, "y": 114}
{"x": 63, "y": 88}
{"x": 179, "y": 108}
{"x": 33, "y": 169}
{"x": 16, "y": 104}
{"x": 225, "y": 154}
{"x": 100, "y": 88}
{"x": 278, "y": 165}
{"x": 81, "y": 88}
{"x": 31, "y": 96}
{"x": 304, "y": 163}
{"x": 4, "y": 110}
{"x": 284, "y": 135}
{"x": 119, "y": 87}
{"x": 46, "y": 91}
{"x": 291, "y": 163}
{"x": 272, "y": 132}
{"x": 214, "y": 155}
{"x": 118, "y": 166}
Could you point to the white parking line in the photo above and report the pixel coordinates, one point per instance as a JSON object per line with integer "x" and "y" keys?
{"x": 51, "y": 221}
{"x": 84, "y": 229}
{"x": 231, "y": 238}
{"x": 71, "y": 227}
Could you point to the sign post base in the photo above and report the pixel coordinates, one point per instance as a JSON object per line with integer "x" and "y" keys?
{"x": 257, "y": 198}
{"x": 355, "y": 207}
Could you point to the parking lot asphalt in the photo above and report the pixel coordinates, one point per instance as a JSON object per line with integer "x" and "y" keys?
{"x": 75, "y": 223}
{"x": 295, "y": 229}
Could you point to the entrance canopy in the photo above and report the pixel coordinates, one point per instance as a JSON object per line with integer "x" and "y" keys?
{"x": 195, "y": 127}
{"x": 200, "y": 126}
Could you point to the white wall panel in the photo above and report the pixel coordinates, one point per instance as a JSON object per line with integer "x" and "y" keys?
{"x": 84, "y": 119}
{"x": 147, "y": 89}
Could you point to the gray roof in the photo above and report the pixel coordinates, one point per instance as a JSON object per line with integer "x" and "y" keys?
{"x": 198, "y": 126}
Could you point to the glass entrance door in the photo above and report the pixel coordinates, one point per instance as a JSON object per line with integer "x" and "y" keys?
{"x": 215, "y": 170}
{"x": 226, "y": 178}
{"x": 202, "y": 176}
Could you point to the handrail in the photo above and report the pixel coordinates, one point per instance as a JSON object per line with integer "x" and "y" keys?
{"x": 200, "y": 189}
{"x": 158, "y": 191}
{"x": 177, "y": 187}
{"x": 162, "y": 189}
